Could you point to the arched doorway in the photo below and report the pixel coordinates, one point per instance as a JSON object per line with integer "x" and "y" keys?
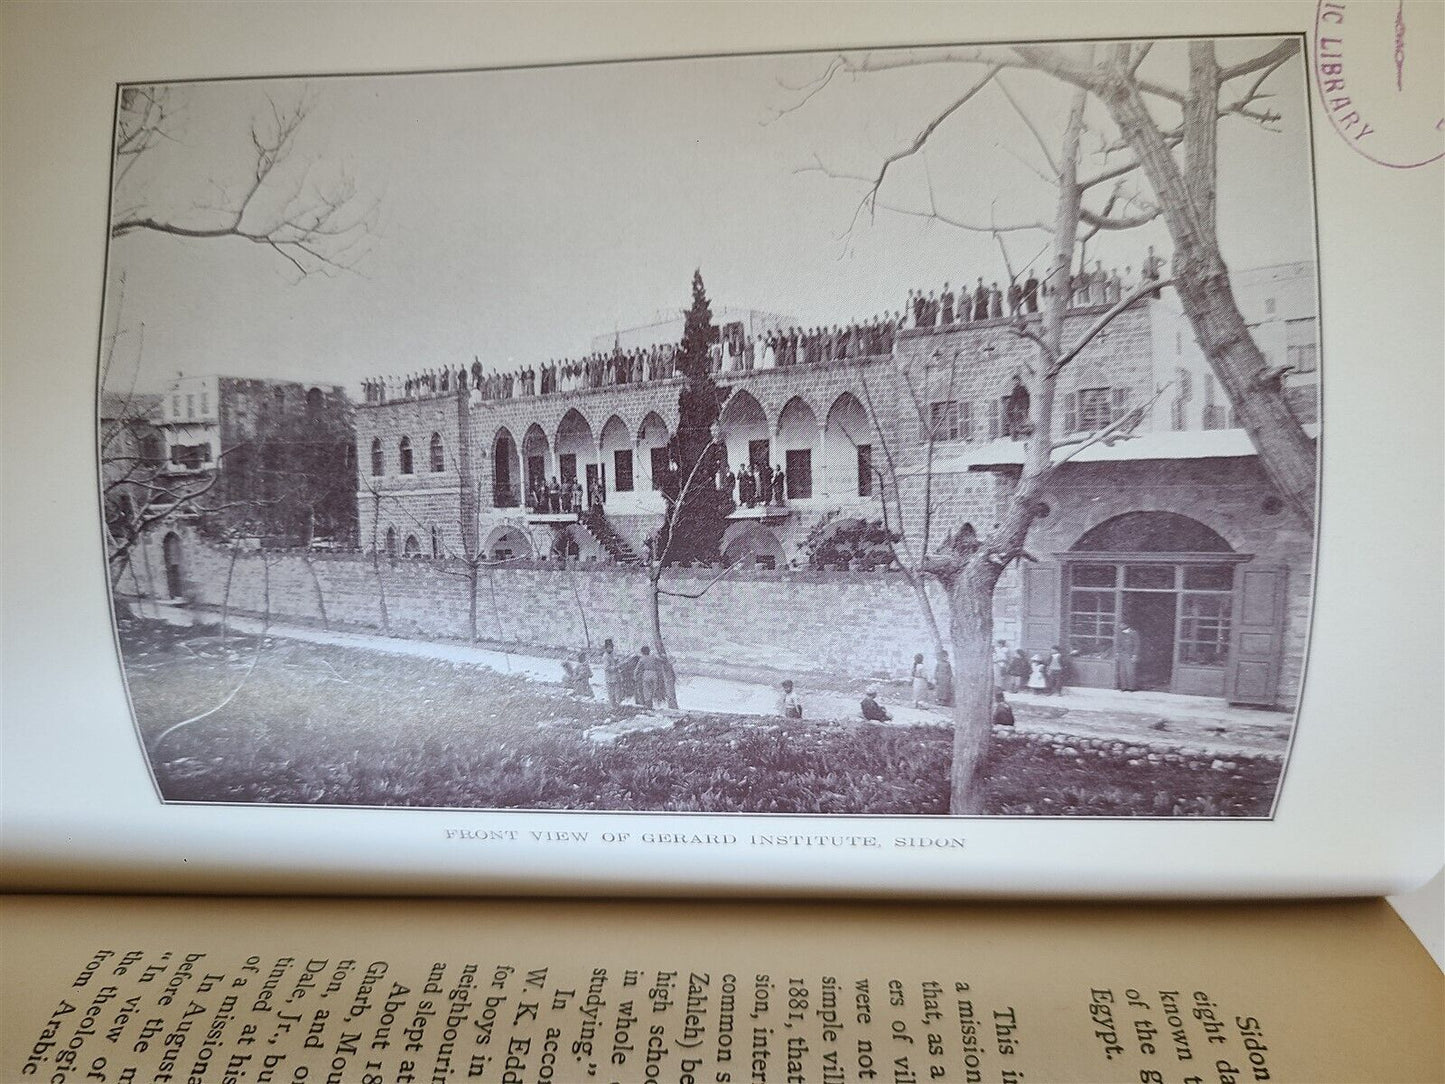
{"x": 536, "y": 459}
{"x": 506, "y": 472}
{"x": 171, "y": 551}
{"x": 848, "y": 470}
{"x": 798, "y": 442}
{"x": 577, "y": 452}
{"x": 1169, "y": 578}
{"x": 652, "y": 454}
{"x": 508, "y": 544}
{"x": 744, "y": 429}
{"x": 752, "y": 544}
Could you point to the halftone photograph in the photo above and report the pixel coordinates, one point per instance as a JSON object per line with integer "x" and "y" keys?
{"x": 913, "y": 432}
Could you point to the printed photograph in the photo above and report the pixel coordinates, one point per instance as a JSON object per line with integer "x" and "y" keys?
{"x": 925, "y": 432}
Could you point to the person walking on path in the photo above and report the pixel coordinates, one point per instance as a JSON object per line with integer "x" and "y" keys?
{"x": 649, "y": 677}
{"x": 920, "y": 682}
{"x": 873, "y": 711}
{"x": 1003, "y": 715}
{"x": 1126, "y": 658}
{"x": 1054, "y": 671}
{"x": 612, "y": 673}
{"x": 790, "y": 706}
{"x": 1000, "y": 664}
{"x": 943, "y": 681}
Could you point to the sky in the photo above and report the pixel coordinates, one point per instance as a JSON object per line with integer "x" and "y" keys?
{"x": 517, "y": 214}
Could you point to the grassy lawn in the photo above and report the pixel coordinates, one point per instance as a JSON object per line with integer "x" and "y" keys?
{"x": 315, "y": 724}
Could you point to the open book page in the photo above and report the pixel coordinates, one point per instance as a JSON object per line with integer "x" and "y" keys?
{"x": 130, "y": 988}
{"x": 997, "y": 457}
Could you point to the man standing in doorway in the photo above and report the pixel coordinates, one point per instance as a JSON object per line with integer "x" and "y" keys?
{"x": 1126, "y": 657}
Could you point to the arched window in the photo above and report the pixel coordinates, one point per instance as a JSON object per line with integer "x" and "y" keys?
{"x": 406, "y": 467}
{"x": 411, "y": 547}
{"x": 436, "y": 542}
{"x": 376, "y": 464}
{"x": 391, "y": 541}
{"x": 438, "y": 461}
{"x": 313, "y": 402}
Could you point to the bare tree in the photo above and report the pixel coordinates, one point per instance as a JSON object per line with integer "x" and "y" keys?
{"x": 1179, "y": 158}
{"x": 967, "y": 564}
{"x": 316, "y": 228}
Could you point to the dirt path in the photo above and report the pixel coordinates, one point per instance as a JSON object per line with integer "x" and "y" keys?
{"x": 1145, "y": 719}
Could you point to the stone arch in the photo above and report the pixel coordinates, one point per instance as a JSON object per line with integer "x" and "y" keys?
{"x": 537, "y": 463}
{"x": 404, "y": 455}
{"x": 744, "y": 430}
{"x": 847, "y": 450}
{"x": 506, "y": 470}
{"x": 618, "y": 460}
{"x": 799, "y": 446}
{"x": 437, "y": 456}
{"x": 411, "y": 547}
{"x": 391, "y": 541}
{"x": 575, "y": 445}
{"x": 653, "y": 436}
{"x": 508, "y": 543}
{"x": 378, "y": 463}
{"x": 752, "y": 544}
{"x": 1151, "y": 532}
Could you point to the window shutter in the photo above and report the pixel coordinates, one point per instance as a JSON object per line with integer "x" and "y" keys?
{"x": 1120, "y": 404}
{"x": 965, "y": 421}
{"x": 994, "y": 421}
{"x": 1071, "y": 412}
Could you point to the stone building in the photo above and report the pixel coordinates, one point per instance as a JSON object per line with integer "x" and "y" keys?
{"x": 1174, "y": 531}
{"x": 278, "y": 454}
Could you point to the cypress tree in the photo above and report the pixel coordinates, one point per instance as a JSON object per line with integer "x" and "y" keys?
{"x": 694, "y": 528}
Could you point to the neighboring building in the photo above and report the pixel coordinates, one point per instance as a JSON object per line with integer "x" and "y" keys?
{"x": 272, "y": 460}
{"x": 131, "y": 457}
{"x": 1174, "y": 530}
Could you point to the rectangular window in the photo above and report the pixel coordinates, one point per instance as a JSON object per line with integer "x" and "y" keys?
{"x": 176, "y": 407}
{"x": 658, "y": 459}
{"x": 799, "y": 465}
{"x": 205, "y": 402}
{"x": 1301, "y": 345}
{"x": 1094, "y": 409}
{"x": 1091, "y": 622}
{"x": 190, "y": 406}
{"x": 865, "y": 470}
{"x": 622, "y": 470}
{"x": 943, "y": 421}
{"x": 1204, "y": 627}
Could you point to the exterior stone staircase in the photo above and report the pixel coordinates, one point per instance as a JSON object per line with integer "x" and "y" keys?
{"x": 617, "y": 547}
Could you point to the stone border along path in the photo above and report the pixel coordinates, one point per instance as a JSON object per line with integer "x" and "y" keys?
{"x": 1193, "y": 726}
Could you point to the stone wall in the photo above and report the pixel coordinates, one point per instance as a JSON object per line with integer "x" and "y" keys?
{"x": 848, "y": 623}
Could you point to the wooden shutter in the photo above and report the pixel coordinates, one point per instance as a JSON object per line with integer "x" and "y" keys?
{"x": 1258, "y": 622}
{"x": 1039, "y": 607}
{"x": 995, "y": 422}
{"x": 1071, "y": 412}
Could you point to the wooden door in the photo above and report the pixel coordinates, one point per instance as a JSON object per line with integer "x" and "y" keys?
{"x": 1254, "y": 651}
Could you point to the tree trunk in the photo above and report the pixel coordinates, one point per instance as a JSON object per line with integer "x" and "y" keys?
{"x": 1286, "y": 453}
{"x": 654, "y": 613}
{"x": 472, "y": 578}
{"x": 971, "y": 627}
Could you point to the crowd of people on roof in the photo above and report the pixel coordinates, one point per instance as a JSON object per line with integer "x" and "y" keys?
{"x": 737, "y": 350}
{"x": 1089, "y": 287}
